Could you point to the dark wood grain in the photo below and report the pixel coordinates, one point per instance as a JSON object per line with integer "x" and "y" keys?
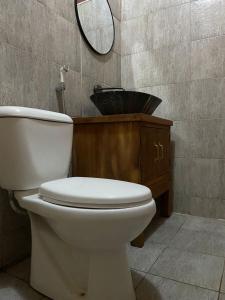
{"x": 134, "y": 148}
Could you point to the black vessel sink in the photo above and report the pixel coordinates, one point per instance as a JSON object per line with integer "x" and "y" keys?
{"x": 124, "y": 102}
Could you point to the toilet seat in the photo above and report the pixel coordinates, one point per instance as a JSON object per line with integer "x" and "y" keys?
{"x": 85, "y": 192}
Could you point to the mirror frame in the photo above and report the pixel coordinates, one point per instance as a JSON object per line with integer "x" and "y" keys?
{"x": 83, "y": 34}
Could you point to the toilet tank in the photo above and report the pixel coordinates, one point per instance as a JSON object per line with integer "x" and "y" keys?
{"x": 35, "y": 147}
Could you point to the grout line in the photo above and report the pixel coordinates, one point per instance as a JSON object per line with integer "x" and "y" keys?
{"x": 190, "y": 284}
{"x": 142, "y": 279}
{"x": 161, "y": 253}
{"x": 221, "y": 281}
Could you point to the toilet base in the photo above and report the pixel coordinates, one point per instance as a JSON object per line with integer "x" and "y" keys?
{"x": 60, "y": 271}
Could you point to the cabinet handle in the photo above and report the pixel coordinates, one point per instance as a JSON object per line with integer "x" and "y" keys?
{"x": 157, "y": 151}
{"x": 162, "y": 151}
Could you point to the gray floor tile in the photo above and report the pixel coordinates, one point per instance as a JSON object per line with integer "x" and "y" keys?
{"x": 205, "y": 224}
{"x": 20, "y": 270}
{"x": 137, "y": 277}
{"x": 142, "y": 259}
{"x": 222, "y": 288}
{"x": 222, "y": 297}
{"x": 14, "y": 289}
{"x": 188, "y": 267}
{"x": 200, "y": 241}
{"x": 157, "y": 288}
{"x": 163, "y": 230}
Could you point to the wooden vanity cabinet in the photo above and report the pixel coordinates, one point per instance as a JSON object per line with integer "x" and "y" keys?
{"x": 134, "y": 147}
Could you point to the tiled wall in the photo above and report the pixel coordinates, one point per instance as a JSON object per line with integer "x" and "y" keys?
{"x": 175, "y": 49}
{"x": 36, "y": 37}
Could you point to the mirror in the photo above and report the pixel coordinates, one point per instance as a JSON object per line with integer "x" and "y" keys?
{"x": 96, "y": 24}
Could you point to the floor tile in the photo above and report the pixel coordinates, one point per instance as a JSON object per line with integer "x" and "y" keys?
{"x": 14, "y": 289}
{"x": 20, "y": 270}
{"x": 137, "y": 277}
{"x": 142, "y": 259}
{"x": 204, "y": 224}
{"x": 163, "y": 230}
{"x": 188, "y": 267}
{"x": 222, "y": 288}
{"x": 157, "y": 288}
{"x": 200, "y": 241}
{"x": 222, "y": 297}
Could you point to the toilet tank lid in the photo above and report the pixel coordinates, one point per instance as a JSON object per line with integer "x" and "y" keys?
{"x": 33, "y": 113}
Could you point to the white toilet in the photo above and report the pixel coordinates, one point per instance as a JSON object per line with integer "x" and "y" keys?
{"x": 80, "y": 226}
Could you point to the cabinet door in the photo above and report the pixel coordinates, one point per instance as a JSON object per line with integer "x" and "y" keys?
{"x": 163, "y": 140}
{"x": 149, "y": 154}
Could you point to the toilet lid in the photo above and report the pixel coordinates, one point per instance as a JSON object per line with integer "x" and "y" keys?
{"x": 94, "y": 193}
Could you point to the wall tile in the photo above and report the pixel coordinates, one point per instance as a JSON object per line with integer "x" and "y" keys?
{"x": 48, "y": 3}
{"x": 117, "y": 44}
{"x": 134, "y": 34}
{"x": 63, "y": 38}
{"x": 175, "y": 100}
{"x": 13, "y": 62}
{"x": 18, "y": 23}
{"x": 132, "y": 8}
{"x": 112, "y": 69}
{"x": 207, "y": 98}
{"x": 65, "y": 9}
{"x": 159, "y": 4}
{"x": 87, "y": 106}
{"x": 207, "y": 207}
{"x": 156, "y": 67}
{"x": 39, "y": 29}
{"x": 207, "y": 18}
{"x": 170, "y": 65}
{"x": 171, "y": 26}
{"x": 92, "y": 64}
{"x": 135, "y": 70}
{"x": 182, "y": 186}
{"x": 180, "y": 136}
{"x": 207, "y": 178}
{"x": 73, "y": 94}
{"x": 207, "y": 138}
{"x": 208, "y": 58}
{"x": 116, "y": 8}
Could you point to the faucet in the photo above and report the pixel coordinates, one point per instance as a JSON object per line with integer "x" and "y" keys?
{"x": 60, "y": 88}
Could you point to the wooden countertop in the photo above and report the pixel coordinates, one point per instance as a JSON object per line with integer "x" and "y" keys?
{"x": 122, "y": 118}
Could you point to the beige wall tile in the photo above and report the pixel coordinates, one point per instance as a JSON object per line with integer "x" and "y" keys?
{"x": 207, "y": 98}
{"x": 134, "y": 35}
{"x": 171, "y": 26}
{"x": 207, "y": 18}
{"x": 208, "y": 58}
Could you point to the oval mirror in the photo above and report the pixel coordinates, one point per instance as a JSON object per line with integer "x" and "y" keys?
{"x": 96, "y": 24}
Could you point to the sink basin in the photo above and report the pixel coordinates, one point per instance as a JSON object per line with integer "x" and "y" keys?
{"x": 125, "y": 102}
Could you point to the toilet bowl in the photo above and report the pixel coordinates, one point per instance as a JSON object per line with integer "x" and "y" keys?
{"x": 80, "y": 226}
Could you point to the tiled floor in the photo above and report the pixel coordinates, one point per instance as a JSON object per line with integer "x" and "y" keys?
{"x": 183, "y": 259}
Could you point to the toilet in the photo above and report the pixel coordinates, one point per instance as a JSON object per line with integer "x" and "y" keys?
{"x": 80, "y": 226}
